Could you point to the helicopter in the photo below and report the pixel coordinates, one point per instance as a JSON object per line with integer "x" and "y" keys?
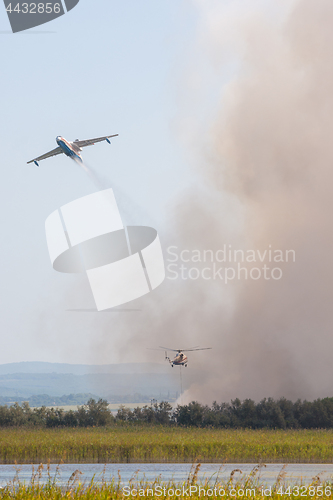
{"x": 180, "y": 359}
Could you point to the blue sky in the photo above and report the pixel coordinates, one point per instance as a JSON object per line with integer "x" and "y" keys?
{"x": 111, "y": 68}
{"x": 119, "y": 67}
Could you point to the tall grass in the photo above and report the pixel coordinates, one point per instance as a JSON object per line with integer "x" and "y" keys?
{"x": 250, "y": 486}
{"x": 148, "y": 444}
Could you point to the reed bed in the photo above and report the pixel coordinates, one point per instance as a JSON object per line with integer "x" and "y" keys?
{"x": 149, "y": 444}
{"x": 250, "y": 486}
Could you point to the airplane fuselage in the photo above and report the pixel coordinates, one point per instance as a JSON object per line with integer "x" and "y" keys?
{"x": 68, "y": 149}
{"x": 71, "y": 149}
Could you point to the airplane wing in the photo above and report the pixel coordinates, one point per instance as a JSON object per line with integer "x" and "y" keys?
{"x": 56, "y": 151}
{"x": 91, "y": 142}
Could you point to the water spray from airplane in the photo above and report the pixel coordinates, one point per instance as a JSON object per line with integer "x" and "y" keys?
{"x": 100, "y": 183}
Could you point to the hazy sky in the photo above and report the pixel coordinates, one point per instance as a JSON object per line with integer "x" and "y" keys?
{"x": 100, "y": 69}
{"x": 113, "y": 68}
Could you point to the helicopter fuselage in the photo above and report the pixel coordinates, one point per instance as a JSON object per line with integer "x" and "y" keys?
{"x": 180, "y": 359}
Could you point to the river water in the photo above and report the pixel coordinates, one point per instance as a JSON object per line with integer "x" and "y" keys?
{"x": 294, "y": 473}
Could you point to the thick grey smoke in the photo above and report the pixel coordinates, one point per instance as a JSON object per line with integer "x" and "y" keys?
{"x": 266, "y": 181}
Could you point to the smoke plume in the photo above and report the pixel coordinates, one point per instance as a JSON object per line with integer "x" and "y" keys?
{"x": 265, "y": 182}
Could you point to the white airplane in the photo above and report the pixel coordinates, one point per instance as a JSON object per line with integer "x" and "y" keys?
{"x": 71, "y": 149}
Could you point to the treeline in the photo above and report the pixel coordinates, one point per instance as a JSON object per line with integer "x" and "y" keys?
{"x": 268, "y": 413}
{"x": 94, "y": 413}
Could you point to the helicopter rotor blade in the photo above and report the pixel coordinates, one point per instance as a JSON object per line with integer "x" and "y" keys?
{"x": 196, "y": 348}
{"x": 189, "y": 348}
{"x": 168, "y": 349}
{"x": 199, "y": 349}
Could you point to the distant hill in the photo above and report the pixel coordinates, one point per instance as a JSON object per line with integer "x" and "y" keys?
{"x": 116, "y": 383}
{"x": 73, "y": 400}
{"x": 43, "y": 367}
{"x": 46, "y": 400}
{"x": 102, "y": 384}
{"x": 22, "y": 380}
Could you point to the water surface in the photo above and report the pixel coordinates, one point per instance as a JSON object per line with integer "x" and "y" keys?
{"x": 294, "y": 473}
